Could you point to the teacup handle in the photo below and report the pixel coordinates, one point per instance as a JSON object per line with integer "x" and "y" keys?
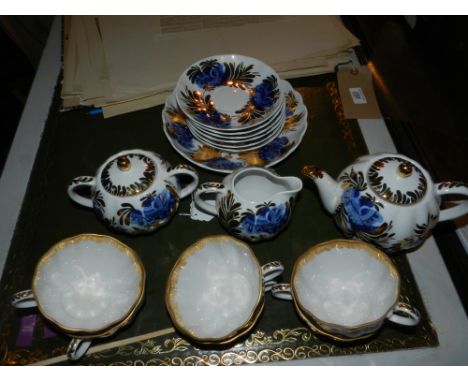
{"x": 208, "y": 188}
{"x": 183, "y": 169}
{"x": 404, "y": 314}
{"x": 23, "y": 299}
{"x": 81, "y": 181}
{"x": 457, "y": 188}
{"x": 282, "y": 291}
{"x": 271, "y": 271}
{"x": 77, "y": 348}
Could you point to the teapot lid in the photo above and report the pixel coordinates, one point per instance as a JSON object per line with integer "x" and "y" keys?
{"x": 397, "y": 180}
{"x": 128, "y": 174}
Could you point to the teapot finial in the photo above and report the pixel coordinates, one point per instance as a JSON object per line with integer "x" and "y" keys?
{"x": 123, "y": 163}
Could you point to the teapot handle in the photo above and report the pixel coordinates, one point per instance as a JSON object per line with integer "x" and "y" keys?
{"x": 183, "y": 169}
{"x": 456, "y": 188}
{"x": 81, "y": 181}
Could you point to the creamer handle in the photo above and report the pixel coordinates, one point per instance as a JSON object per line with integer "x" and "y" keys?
{"x": 208, "y": 188}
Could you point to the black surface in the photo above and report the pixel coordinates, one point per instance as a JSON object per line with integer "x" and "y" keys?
{"x": 421, "y": 90}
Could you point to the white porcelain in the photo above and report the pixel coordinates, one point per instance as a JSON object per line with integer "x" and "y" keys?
{"x": 135, "y": 191}
{"x": 252, "y": 203}
{"x": 88, "y": 286}
{"x": 346, "y": 289}
{"x": 228, "y": 91}
{"x": 207, "y": 157}
{"x": 388, "y": 200}
{"x": 215, "y": 290}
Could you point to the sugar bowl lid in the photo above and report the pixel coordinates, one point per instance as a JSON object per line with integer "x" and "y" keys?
{"x": 397, "y": 179}
{"x": 128, "y": 173}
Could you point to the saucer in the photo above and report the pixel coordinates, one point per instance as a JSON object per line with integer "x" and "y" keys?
{"x": 179, "y": 136}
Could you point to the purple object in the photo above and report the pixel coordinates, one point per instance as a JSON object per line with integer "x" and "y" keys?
{"x": 25, "y": 335}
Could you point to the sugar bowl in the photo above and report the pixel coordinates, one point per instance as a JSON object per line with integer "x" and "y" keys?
{"x": 346, "y": 290}
{"x": 135, "y": 191}
{"x": 215, "y": 291}
{"x": 87, "y": 286}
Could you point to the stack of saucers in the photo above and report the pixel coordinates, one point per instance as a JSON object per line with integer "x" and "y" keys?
{"x": 227, "y": 106}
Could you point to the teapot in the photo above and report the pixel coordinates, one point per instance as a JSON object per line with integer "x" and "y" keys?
{"x": 386, "y": 199}
{"x": 135, "y": 191}
{"x": 252, "y": 203}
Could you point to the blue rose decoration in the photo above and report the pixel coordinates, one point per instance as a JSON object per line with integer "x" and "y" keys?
{"x": 362, "y": 213}
{"x": 267, "y": 220}
{"x": 154, "y": 208}
{"x": 263, "y": 97}
{"x": 137, "y": 218}
{"x": 211, "y": 76}
{"x": 214, "y": 119}
{"x": 223, "y": 164}
{"x": 274, "y": 149}
{"x": 182, "y": 135}
{"x": 159, "y": 206}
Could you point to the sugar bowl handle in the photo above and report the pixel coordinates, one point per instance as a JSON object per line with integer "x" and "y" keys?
{"x": 404, "y": 314}
{"x": 183, "y": 169}
{"x": 271, "y": 271}
{"x": 81, "y": 181}
{"x": 453, "y": 188}
{"x": 23, "y": 299}
{"x": 207, "y": 189}
{"x": 282, "y": 291}
{"x": 77, "y": 348}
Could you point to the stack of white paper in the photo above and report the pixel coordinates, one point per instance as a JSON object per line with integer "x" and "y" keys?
{"x": 128, "y": 63}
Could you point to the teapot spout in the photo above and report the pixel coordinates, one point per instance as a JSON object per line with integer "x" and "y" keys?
{"x": 328, "y": 188}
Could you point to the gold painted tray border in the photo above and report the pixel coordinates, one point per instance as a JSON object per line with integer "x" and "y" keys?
{"x": 281, "y": 345}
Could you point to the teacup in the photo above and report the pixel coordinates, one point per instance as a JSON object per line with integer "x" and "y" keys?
{"x": 345, "y": 289}
{"x": 215, "y": 291}
{"x": 88, "y": 286}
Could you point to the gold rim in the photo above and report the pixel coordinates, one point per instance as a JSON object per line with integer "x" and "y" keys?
{"x": 113, "y": 326}
{"x": 172, "y": 283}
{"x": 310, "y": 318}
